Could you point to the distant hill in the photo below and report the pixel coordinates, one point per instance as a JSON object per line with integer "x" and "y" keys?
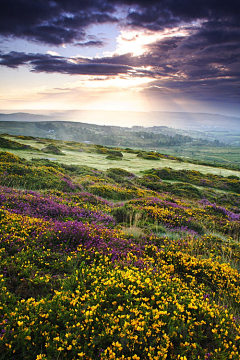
{"x": 197, "y": 125}
{"x": 177, "y": 120}
{"x": 98, "y": 134}
{"x": 22, "y": 116}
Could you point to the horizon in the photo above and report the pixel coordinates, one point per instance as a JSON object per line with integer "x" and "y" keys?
{"x": 36, "y": 111}
{"x": 148, "y": 119}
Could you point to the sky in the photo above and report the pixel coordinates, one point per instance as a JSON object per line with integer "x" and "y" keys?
{"x": 146, "y": 55}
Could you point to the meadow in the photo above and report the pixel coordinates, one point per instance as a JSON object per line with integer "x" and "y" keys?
{"x": 121, "y": 258}
{"x": 213, "y": 147}
{"x": 91, "y": 155}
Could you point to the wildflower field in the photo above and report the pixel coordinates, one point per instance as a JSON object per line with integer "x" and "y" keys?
{"x": 107, "y": 265}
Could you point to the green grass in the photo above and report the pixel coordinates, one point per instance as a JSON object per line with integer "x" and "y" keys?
{"x": 129, "y": 162}
{"x": 217, "y": 154}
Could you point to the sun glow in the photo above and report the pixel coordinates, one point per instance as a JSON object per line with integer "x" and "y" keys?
{"x": 131, "y": 91}
{"x": 119, "y": 82}
{"x": 136, "y": 41}
{"x": 118, "y": 101}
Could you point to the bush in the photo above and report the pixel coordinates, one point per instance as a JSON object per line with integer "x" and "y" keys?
{"x": 52, "y": 149}
{"x": 148, "y": 156}
{"x": 115, "y": 153}
{"x": 7, "y": 157}
{"x": 111, "y": 157}
{"x": 10, "y": 144}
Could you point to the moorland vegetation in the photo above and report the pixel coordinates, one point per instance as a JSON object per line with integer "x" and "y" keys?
{"x": 110, "y": 265}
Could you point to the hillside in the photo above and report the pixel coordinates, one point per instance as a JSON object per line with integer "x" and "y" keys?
{"x": 137, "y": 257}
{"x": 104, "y": 135}
{"x": 163, "y": 128}
{"x": 176, "y": 120}
{"x": 137, "y": 160}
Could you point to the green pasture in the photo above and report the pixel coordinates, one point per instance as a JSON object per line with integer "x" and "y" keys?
{"x": 221, "y": 154}
{"x": 129, "y": 162}
{"x": 224, "y": 154}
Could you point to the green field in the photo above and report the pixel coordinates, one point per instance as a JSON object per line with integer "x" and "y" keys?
{"x": 79, "y": 154}
{"x": 224, "y": 154}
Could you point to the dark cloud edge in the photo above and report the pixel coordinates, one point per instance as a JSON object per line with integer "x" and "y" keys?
{"x": 56, "y": 64}
{"x": 60, "y": 21}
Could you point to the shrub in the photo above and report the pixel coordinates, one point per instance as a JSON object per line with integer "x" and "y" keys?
{"x": 10, "y": 144}
{"x": 148, "y": 156}
{"x": 115, "y": 153}
{"x": 52, "y": 149}
{"x": 111, "y": 157}
{"x": 7, "y": 157}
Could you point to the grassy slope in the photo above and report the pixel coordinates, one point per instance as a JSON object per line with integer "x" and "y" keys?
{"x": 107, "y": 265}
{"x": 114, "y": 136}
{"x": 129, "y": 162}
{"x": 218, "y": 154}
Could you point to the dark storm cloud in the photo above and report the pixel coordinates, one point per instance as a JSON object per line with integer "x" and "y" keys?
{"x": 52, "y": 22}
{"x": 57, "y": 64}
{"x": 157, "y": 14}
{"x": 203, "y": 61}
{"x": 210, "y": 90}
{"x": 54, "y": 35}
{"x": 64, "y": 67}
{"x": 60, "y": 21}
{"x": 15, "y": 59}
{"x": 91, "y": 43}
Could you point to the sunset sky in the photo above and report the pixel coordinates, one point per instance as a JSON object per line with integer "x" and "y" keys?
{"x": 147, "y": 55}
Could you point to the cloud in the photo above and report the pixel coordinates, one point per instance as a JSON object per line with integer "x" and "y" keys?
{"x": 197, "y": 50}
{"x": 56, "y": 22}
{"x": 91, "y": 43}
{"x": 53, "y": 53}
{"x": 15, "y": 59}
{"x": 52, "y": 22}
{"x": 187, "y": 60}
{"x": 156, "y": 15}
{"x": 57, "y": 64}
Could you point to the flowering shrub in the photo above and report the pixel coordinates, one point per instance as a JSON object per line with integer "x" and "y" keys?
{"x": 39, "y": 177}
{"x": 76, "y": 284}
{"x": 175, "y": 214}
{"x": 116, "y": 192}
{"x": 195, "y": 177}
{"x": 110, "y": 301}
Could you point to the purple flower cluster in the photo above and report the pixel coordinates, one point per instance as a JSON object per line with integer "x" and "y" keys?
{"x": 69, "y": 183}
{"x": 220, "y": 209}
{"x": 181, "y": 229}
{"x": 65, "y": 237}
{"x": 69, "y": 235}
{"x": 36, "y": 205}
